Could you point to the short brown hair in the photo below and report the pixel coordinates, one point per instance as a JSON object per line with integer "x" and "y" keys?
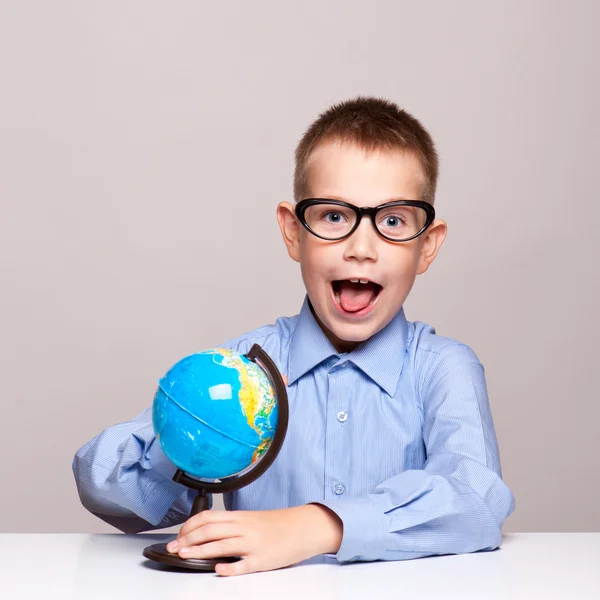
{"x": 372, "y": 124}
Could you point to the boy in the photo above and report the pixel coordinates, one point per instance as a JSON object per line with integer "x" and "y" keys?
{"x": 391, "y": 451}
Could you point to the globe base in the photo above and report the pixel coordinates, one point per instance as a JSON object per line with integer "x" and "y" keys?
{"x": 159, "y": 553}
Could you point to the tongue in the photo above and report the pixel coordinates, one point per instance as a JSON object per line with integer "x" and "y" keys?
{"x": 356, "y": 296}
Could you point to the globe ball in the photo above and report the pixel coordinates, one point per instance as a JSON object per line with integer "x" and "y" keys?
{"x": 215, "y": 414}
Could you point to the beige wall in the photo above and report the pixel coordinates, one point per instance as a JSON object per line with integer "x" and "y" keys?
{"x": 143, "y": 149}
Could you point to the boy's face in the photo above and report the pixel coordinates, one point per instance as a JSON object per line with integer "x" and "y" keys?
{"x": 345, "y": 172}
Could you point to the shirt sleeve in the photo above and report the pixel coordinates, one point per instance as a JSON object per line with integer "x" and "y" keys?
{"x": 458, "y": 502}
{"x": 124, "y": 478}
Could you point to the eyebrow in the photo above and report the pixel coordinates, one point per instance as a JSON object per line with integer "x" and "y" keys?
{"x": 333, "y": 197}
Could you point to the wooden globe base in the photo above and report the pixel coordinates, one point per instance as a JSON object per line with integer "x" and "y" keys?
{"x": 159, "y": 552}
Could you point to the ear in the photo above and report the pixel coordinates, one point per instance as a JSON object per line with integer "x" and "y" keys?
{"x": 290, "y": 229}
{"x": 432, "y": 241}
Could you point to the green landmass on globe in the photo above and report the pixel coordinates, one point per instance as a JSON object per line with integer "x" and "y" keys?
{"x": 215, "y": 414}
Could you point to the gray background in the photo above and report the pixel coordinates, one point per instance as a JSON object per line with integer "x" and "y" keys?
{"x": 145, "y": 145}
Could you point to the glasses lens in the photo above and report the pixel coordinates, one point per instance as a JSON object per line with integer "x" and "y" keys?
{"x": 400, "y": 222}
{"x": 330, "y": 220}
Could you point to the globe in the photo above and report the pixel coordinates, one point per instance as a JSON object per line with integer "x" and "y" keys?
{"x": 215, "y": 414}
{"x": 221, "y": 417}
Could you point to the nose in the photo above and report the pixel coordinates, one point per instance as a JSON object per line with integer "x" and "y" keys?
{"x": 362, "y": 244}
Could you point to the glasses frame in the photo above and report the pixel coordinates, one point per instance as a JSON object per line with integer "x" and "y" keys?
{"x": 365, "y": 211}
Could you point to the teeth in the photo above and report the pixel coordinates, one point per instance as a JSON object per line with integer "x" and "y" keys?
{"x": 359, "y": 280}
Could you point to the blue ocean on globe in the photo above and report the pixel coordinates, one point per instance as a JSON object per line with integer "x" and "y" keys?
{"x": 215, "y": 414}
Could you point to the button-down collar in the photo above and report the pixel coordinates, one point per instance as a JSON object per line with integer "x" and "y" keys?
{"x": 380, "y": 357}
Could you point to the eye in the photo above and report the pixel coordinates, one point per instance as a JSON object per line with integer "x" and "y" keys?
{"x": 334, "y": 217}
{"x": 393, "y": 221}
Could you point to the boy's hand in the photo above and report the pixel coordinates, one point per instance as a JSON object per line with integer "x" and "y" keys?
{"x": 265, "y": 540}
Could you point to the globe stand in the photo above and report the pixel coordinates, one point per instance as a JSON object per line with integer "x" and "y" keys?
{"x": 159, "y": 552}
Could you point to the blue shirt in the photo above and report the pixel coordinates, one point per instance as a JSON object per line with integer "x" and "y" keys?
{"x": 396, "y": 437}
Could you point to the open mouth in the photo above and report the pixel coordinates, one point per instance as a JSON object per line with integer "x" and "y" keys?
{"x": 355, "y": 296}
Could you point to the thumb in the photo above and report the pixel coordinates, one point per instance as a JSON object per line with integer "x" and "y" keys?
{"x": 285, "y": 379}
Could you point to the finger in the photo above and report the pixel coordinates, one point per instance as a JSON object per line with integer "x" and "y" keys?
{"x": 285, "y": 379}
{"x": 241, "y": 567}
{"x": 209, "y": 533}
{"x": 205, "y": 517}
{"x": 228, "y": 547}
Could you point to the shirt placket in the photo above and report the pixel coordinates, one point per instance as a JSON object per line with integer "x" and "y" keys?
{"x": 337, "y": 451}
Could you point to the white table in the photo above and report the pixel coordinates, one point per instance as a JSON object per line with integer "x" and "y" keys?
{"x": 111, "y": 566}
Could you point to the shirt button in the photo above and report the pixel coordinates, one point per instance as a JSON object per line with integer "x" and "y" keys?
{"x": 339, "y": 489}
{"x": 342, "y": 416}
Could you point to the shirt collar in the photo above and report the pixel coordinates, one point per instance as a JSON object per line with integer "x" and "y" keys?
{"x": 309, "y": 345}
{"x": 380, "y": 357}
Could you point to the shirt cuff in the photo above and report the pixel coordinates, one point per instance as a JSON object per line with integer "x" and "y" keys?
{"x": 365, "y": 529}
{"x": 162, "y": 491}
{"x": 160, "y": 463}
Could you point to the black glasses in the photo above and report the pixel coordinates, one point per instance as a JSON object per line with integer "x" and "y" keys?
{"x": 397, "y": 221}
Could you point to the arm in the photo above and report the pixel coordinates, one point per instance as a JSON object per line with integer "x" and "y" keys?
{"x": 124, "y": 478}
{"x": 458, "y": 502}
